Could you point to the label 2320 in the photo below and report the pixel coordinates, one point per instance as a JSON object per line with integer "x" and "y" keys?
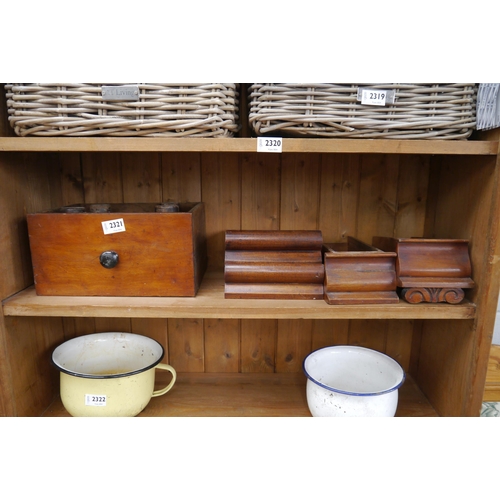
{"x": 270, "y": 144}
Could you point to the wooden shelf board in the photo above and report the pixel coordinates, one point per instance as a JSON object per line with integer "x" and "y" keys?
{"x": 248, "y": 395}
{"x": 210, "y": 303}
{"x": 247, "y": 145}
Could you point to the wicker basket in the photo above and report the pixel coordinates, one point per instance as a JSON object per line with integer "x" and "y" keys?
{"x": 79, "y": 109}
{"x": 419, "y": 111}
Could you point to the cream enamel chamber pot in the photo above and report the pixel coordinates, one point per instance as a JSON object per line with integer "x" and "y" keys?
{"x": 352, "y": 381}
{"x": 110, "y": 374}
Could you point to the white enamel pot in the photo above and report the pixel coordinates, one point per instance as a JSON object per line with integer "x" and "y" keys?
{"x": 352, "y": 381}
{"x": 109, "y": 374}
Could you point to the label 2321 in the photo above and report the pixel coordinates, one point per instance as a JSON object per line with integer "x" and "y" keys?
{"x": 113, "y": 226}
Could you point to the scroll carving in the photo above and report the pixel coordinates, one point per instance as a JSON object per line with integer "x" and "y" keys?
{"x": 423, "y": 294}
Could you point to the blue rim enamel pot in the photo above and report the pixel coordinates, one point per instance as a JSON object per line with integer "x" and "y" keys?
{"x": 352, "y": 381}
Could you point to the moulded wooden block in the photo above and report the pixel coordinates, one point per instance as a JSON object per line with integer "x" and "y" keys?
{"x": 357, "y": 273}
{"x": 159, "y": 254}
{"x": 430, "y": 270}
{"x": 273, "y": 264}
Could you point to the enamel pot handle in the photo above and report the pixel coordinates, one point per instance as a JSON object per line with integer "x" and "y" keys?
{"x": 163, "y": 366}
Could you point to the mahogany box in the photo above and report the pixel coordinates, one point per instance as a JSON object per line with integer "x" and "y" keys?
{"x": 140, "y": 249}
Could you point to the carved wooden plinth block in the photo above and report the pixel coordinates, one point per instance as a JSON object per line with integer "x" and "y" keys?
{"x": 273, "y": 265}
{"x": 430, "y": 270}
{"x": 357, "y": 273}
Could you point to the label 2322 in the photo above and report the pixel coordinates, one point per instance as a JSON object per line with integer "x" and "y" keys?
{"x": 95, "y": 400}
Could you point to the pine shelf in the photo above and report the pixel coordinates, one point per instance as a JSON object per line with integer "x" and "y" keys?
{"x": 210, "y": 303}
{"x": 248, "y": 395}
